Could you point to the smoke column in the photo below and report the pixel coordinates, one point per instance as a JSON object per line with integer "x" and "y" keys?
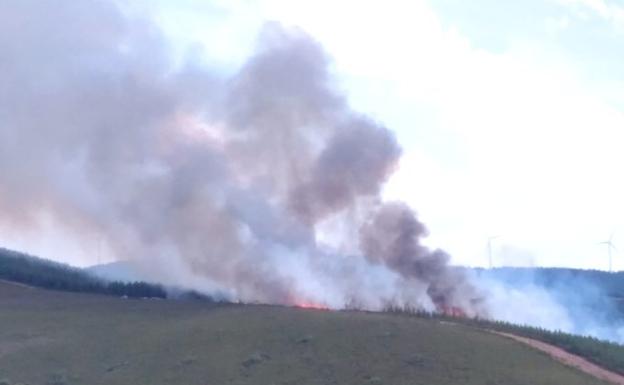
{"x": 219, "y": 183}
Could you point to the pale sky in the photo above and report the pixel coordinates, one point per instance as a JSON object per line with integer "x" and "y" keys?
{"x": 511, "y": 113}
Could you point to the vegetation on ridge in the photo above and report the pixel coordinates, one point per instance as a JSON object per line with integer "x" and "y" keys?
{"x": 607, "y": 354}
{"x": 33, "y": 271}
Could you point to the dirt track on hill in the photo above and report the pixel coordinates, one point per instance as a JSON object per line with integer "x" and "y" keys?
{"x": 569, "y": 359}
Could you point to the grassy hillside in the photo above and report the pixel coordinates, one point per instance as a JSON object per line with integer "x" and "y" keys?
{"x": 606, "y": 354}
{"x": 67, "y": 338}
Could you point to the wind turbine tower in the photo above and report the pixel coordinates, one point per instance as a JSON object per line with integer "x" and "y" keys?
{"x": 610, "y": 247}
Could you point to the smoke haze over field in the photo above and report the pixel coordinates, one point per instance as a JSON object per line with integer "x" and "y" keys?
{"x": 261, "y": 186}
{"x": 218, "y": 183}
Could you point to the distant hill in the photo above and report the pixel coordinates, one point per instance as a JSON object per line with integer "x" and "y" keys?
{"x": 611, "y": 284}
{"x": 33, "y": 271}
{"x": 116, "y": 271}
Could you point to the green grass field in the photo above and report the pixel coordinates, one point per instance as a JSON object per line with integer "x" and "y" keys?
{"x": 66, "y": 338}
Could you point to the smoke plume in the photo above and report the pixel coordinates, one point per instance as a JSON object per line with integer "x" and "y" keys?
{"x": 219, "y": 183}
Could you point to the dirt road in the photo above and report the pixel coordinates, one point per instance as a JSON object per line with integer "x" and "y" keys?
{"x": 569, "y": 359}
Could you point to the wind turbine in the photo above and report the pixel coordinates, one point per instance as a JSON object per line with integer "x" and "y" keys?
{"x": 610, "y": 246}
{"x": 489, "y": 245}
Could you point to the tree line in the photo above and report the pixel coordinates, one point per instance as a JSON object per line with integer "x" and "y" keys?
{"x": 47, "y": 274}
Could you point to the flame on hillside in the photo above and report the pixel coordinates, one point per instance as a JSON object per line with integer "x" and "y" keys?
{"x": 311, "y": 305}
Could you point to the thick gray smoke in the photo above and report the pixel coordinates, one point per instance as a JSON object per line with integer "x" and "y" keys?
{"x": 211, "y": 182}
{"x": 392, "y": 237}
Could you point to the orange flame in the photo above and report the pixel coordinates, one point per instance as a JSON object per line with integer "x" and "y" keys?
{"x": 310, "y": 305}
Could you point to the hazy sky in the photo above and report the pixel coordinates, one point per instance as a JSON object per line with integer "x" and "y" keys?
{"x": 511, "y": 113}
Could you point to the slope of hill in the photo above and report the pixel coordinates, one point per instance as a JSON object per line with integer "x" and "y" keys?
{"x": 29, "y": 270}
{"x": 611, "y": 284}
{"x": 68, "y": 338}
{"x": 115, "y": 271}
